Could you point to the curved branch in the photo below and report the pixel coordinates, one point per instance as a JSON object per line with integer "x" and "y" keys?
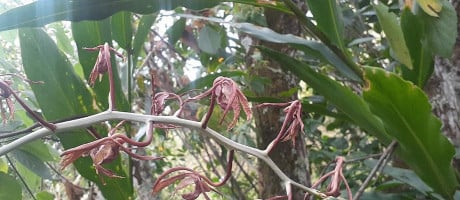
{"x": 117, "y": 115}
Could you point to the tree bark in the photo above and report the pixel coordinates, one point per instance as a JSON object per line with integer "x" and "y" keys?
{"x": 292, "y": 160}
{"x": 443, "y": 90}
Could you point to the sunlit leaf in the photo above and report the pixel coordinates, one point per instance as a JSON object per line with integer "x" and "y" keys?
{"x": 431, "y": 7}
{"x": 44, "y": 195}
{"x": 328, "y": 17}
{"x": 406, "y": 114}
{"x": 394, "y": 34}
{"x": 421, "y": 54}
{"x": 122, "y": 29}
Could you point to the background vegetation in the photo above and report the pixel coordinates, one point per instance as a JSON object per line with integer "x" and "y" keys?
{"x": 365, "y": 72}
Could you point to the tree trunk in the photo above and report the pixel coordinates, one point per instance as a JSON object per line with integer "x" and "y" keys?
{"x": 443, "y": 90}
{"x": 293, "y": 161}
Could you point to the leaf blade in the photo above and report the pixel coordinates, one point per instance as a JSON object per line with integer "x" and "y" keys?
{"x": 423, "y": 147}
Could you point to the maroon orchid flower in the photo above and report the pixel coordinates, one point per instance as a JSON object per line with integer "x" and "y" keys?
{"x": 159, "y": 100}
{"x": 333, "y": 189}
{"x": 103, "y": 64}
{"x": 292, "y": 122}
{"x": 202, "y": 183}
{"x": 106, "y": 149}
{"x": 229, "y": 97}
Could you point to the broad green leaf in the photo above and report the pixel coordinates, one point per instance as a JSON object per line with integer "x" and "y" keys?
{"x": 345, "y": 100}
{"x": 209, "y": 40}
{"x": 394, "y": 34}
{"x": 314, "y": 48}
{"x": 406, "y": 114}
{"x": 441, "y": 31}
{"x": 175, "y": 31}
{"x": 92, "y": 34}
{"x": 65, "y": 95}
{"x": 328, "y": 17}
{"x": 421, "y": 55}
{"x": 38, "y": 149}
{"x": 143, "y": 29}
{"x": 43, "y": 12}
{"x": 10, "y": 187}
{"x": 32, "y": 162}
{"x": 44, "y": 195}
{"x": 122, "y": 30}
{"x": 431, "y": 7}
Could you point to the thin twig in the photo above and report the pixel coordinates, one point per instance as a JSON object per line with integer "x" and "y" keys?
{"x": 379, "y": 166}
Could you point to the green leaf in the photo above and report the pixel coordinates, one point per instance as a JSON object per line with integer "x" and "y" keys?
{"x": 328, "y": 17}
{"x": 394, "y": 34}
{"x": 406, "y": 114}
{"x": 92, "y": 34}
{"x": 143, "y": 29}
{"x": 122, "y": 29}
{"x": 33, "y": 163}
{"x": 64, "y": 95}
{"x": 345, "y": 100}
{"x": 3, "y": 165}
{"x": 404, "y": 175}
{"x": 11, "y": 189}
{"x": 314, "y": 48}
{"x": 431, "y": 7}
{"x": 175, "y": 31}
{"x": 209, "y": 40}
{"x": 441, "y": 31}
{"x": 421, "y": 55}
{"x": 44, "y": 195}
{"x": 43, "y": 12}
{"x": 63, "y": 42}
{"x": 38, "y": 149}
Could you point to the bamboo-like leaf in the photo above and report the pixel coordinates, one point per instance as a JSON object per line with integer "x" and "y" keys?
{"x": 394, "y": 34}
{"x": 420, "y": 53}
{"x": 406, "y": 114}
{"x": 91, "y": 34}
{"x": 43, "y": 12}
{"x": 143, "y": 29}
{"x": 64, "y": 95}
{"x": 310, "y": 47}
{"x": 328, "y": 17}
{"x": 122, "y": 29}
{"x": 346, "y": 101}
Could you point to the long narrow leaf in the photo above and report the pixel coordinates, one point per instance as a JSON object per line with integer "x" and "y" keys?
{"x": 394, "y": 34}
{"x": 309, "y": 46}
{"x": 64, "y": 95}
{"x": 420, "y": 53}
{"x": 43, "y": 12}
{"x": 328, "y": 17}
{"x": 406, "y": 114}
